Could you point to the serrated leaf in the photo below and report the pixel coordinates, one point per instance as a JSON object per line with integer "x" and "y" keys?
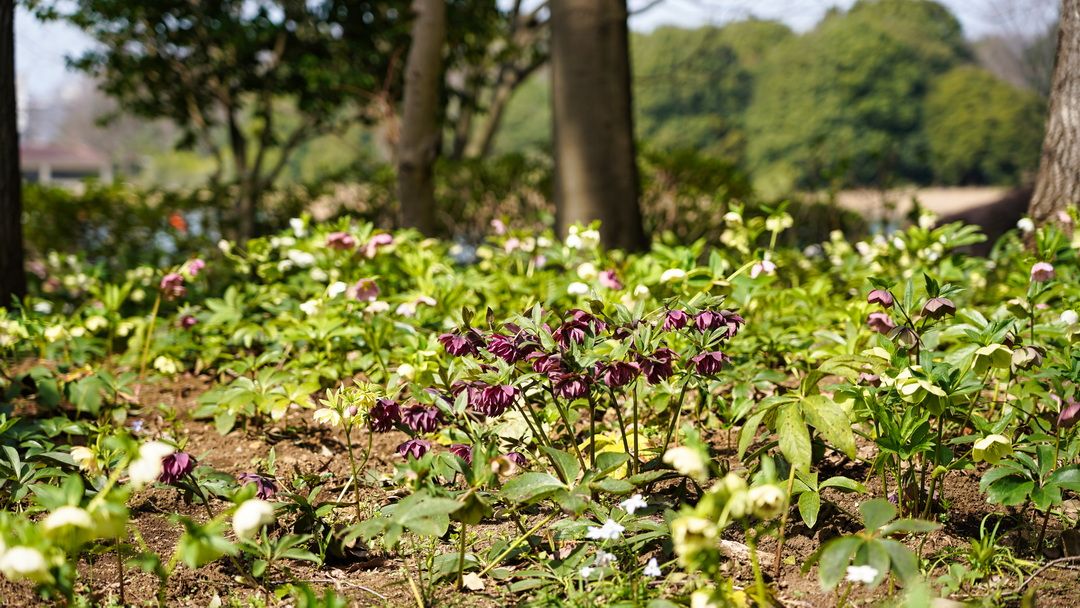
{"x": 835, "y": 558}
{"x": 794, "y": 437}
{"x": 831, "y": 422}
{"x": 532, "y": 486}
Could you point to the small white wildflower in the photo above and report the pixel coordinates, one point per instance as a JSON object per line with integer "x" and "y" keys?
{"x": 927, "y": 220}
{"x": 861, "y": 574}
{"x": 96, "y": 323}
{"x": 573, "y": 241}
{"x": 587, "y": 271}
{"x": 44, "y": 307}
{"x": 54, "y": 333}
{"x": 604, "y": 559}
{"x": 166, "y": 365}
{"x": 672, "y": 274}
{"x": 586, "y": 571}
{"x": 302, "y": 259}
{"x": 310, "y": 308}
{"x": 611, "y": 530}
{"x": 377, "y": 307}
{"x": 406, "y": 309}
{"x": 1069, "y": 318}
{"x": 1025, "y": 225}
{"x": 147, "y": 467}
{"x": 224, "y": 246}
{"x": 899, "y": 243}
{"x": 252, "y": 515}
{"x": 577, "y": 288}
{"x": 633, "y": 504}
{"x": 863, "y": 248}
{"x": 733, "y": 217}
{"x": 298, "y": 227}
{"x": 336, "y": 288}
{"x": 84, "y": 458}
{"x": 590, "y": 239}
{"x": 763, "y": 267}
{"x": 318, "y": 275}
{"x": 406, "y": 371}
{"x": 652, "y": 569}
{"x": 78, "y": 332}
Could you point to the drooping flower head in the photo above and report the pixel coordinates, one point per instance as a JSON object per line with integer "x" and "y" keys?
{"x": 710, "y": 362}
{"x": 193, "y": 267}
{"x": 376, "y": 242}
{"x": 880, "y": 322}
{"x": 510, "y": 348}
{"x": 493, "y": 400}
{"x": 340, "y": 241}
{"x": 675, "y": 319}
{"x": 421, "y": 419}
{"x": 1042, "y": 272}
{"x": 187, "y": 322}
{"x": 172, "y": 286}
{"x": 462, "y": 451}
{"x": 570, "y": 386}
{"x": 384, "y": 415}
{"x": 882, "y": 297}
{"x": 175, "y": 466}
{"x": 618, "y": 373}
{"x": 543, "y": 363}
{"x": 365, "y": 290}
{"x": 939, "y": 307}
{"x": 1070, "y": 414}
{"x": 609, "y": 279}
{"x": 461, "y": 344}
{"x": 414, "y": 448}
{"x": 265, "y": 488}
{"x": 657, "y": 367}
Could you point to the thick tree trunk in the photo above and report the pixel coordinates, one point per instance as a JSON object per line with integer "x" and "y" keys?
{"x": 1058, "y": 183}
{"x": 12, "y": 269}
{"x": 246, "y": 205}
{"x": 596, "y": 175}
{"x": 419, "y": 145}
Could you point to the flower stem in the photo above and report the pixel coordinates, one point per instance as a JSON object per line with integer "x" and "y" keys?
{"x": 517, "y": 541}
{"x": 355, "y": 476}
{"x": 461, "y": 557}
{"x": 146, "y": 338}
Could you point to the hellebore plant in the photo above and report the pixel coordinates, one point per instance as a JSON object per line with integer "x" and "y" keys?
{"x": 350, "y": 407}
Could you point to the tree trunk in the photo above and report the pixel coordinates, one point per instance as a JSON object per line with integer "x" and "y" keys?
{"x": 246, "y": 204}
{"x": 12, "y": 268}
{"x": 596, "y": 176}
{"x": 419, "y": 145}
{"x": 1058, "y": 183}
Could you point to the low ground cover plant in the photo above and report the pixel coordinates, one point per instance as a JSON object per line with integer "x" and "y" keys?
{"x": 338, "y": 415}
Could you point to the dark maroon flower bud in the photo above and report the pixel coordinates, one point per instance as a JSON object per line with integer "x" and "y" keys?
{"x": 462, "y": 451}
{"x": 675, "y": 319}
{"x": 172, "y": 286}
{"x": 937, "y": 308}
{"x": 657, "y": 366}
{"x": 543, "y": 363}
{"x": 883, "y": 297}
{"x": 517, "y": 458}
{"x": 493, "y": 400}
{"x": 570, "y": 386}
{"x": 460, "y": 345}
{"x": 880, "y": 322}
{"x": 187, "y": 322}
{"x": 421, "y": 419}
{"x": 868, "y": 378}
{"x": 384, "y": 415}
{"x": 265, "y": 487}
{"x": 618, "y": 373}
{"x": 414, "y": 448}
{"x": 1069, "y": 415}
{"x": 511, "y": 348}
{"x": 709, "y": 363}
{"x": 176, "y": 465}
{"x": 571, "y": 332}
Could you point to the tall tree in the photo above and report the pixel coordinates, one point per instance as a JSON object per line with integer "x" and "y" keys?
{"x": 222, "y": 71}
{"x": 12, "y": 272}
{"x": 418, "y": 148}
{"x": 1058, "y": 183}
{"x": 596, "y": 174}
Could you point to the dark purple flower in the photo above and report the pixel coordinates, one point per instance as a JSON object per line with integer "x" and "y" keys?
{"x": 414, "y": 448}
{"x": 493, "y": 400}
{"x": 594, "y": 323}
{"x": 609, "y": 279}
{"x": 1069, "y": 415}
{"x": 187, "y": 321}
{"x": 937, "y": 308}
{"x": 570, "y": 386}
{"x": 172, "y": 286}
{"x": 340, "y": 240}
{"x": 365, "y": 290}
{"x": 880, "y": 322}
{"x": 543, "y": 363}
{"x": 460, "y": 345}
{"x": 462, "y": 451}
{"x": 571, "y": 332}
{"x": 708, "y": 320}
{"x": 710, "y": 362}
{"x": 733, "y": 321}
{"x": 517, "y": 458}
{"x": 176, "y": 465}
{"x": 384, "y": 415}
{"x": 265, "y": 487}
{"x": 675, "y": 319}
{"x": 657, "y": 366}
{"x": 511, "y": 348}
{"x": 421, "y": 419}
{"x": 618, "y": 373}
{"x": 880, "y": 296}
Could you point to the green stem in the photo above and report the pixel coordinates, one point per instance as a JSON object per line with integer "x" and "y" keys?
{"x": 783, "y": 521}
{"x": 675, "y": 418}
{"x": 518, "y": 541}
{"x": 146, "y": 338}
{"x": 355, "y": 476}
{"x": 461, "y": 557}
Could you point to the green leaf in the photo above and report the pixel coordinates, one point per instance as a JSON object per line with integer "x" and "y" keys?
{"x": 566, "y": 462}
{"x": 1009, "y": 491}
{"x": 612, "y": 486}
{"x": 874, "y": 554}
{"x": 843, "y": 483}
{"x": 532, "y": 486}
{"x": 831, "y": 421}
{"x": 809, "y": 506}
{"x": 607, "y": 462}
{"x": 1067, "y": 478}
{"x": 877, "y": 512}
{"x": 905, "y": 564}
{"x": 909, "y": 526}
{"x": 835, "y": 558}
{"x": 794, "y": 437}
{"x": 748, "y": 432}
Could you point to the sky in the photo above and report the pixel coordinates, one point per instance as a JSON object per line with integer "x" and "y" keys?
{"x": 42, "y": 47}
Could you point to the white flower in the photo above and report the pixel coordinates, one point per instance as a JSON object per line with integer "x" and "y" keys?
{"x": 406, "y": 371}
{"x": 587, "y": 271}
{"x": 25, "y": 563}
{"x": 165, "y": 365}
{"x": 766, "y": 501}
{"x": 863, "y": 248}
{"x": 1025, "y": 225}
{"x": 302, "y": 259}
{"x": 590, "y": 239}
{"x": 586, "y": 571}
{"x": 733, "y": 217}
{"x": 862, "y": 574}
{"x": 1070, "y": 318}
{"x": 577, "y": 288}
{"x": 652, "y": 569}
{"x": 54, "y": 333}
{"x": 899, "y": 243}
{"x": 224, "y": 246}
{"x": 406, "y": 309}
{"x": 318, "y": 275}
{"x": 703, "y": 598}
{"x": 43, "y": 307}
{"x": 285, "y": 265}
{"x": 327, "y": 416}
{"x": 310, "y": 308}
{"x": 641, "y": 292}
{"x": 298, "y": 227}
{"x": 336, "y": 289}
{"x": 632, "y": 504}
{"x": 252, "y": 515}
{"x": 84, "y": 458}
{"x": 377, "y": 307}
{"x": 96, "y": 323}
{"x": 611, "y": 530}
{"x": 67, "y": 516}
{"x": 763, "y": 267}
{"x": 687, "y": 461}
{"x": 604, "y": 559}
{"x": 147, "y": 467}
{"x": 573, "y": 241}
{"x": 672, "y": 274}
{"x": 927, "y": 220}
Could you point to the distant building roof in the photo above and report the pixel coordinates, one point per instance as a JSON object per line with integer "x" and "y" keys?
{"x": 66, "y": 156}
